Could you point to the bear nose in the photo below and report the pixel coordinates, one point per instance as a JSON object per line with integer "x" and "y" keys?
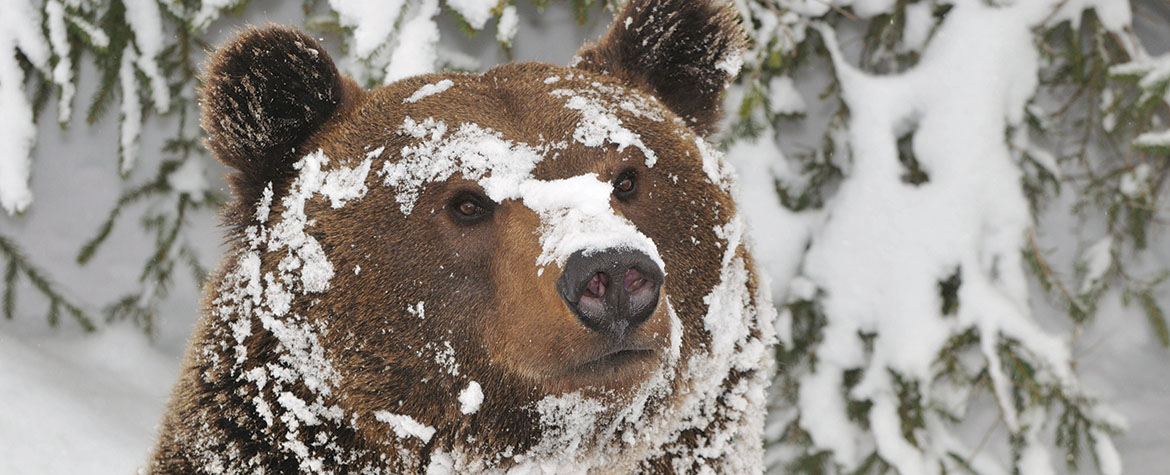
{"x": 611, "y": 291}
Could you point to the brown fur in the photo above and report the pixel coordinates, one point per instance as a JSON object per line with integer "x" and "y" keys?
{"x": 510, "y": 329}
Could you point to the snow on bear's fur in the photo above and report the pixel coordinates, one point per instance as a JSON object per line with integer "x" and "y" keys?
{"x": 536, "y": 269}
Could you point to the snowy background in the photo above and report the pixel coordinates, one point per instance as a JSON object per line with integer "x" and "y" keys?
{"x": 77, "y": 402}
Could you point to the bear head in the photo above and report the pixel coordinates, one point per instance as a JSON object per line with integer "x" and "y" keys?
{"x": 536, "y": 267}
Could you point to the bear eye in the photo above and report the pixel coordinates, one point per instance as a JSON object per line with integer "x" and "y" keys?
{"x": 625, "y": 185}
{"x": 470, "y": 207}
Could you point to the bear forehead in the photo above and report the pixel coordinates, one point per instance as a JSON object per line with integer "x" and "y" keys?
{"x": 576, "y": 121}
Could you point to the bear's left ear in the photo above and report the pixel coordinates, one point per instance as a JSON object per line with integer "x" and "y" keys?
{"x": 685, "y": 52}
{"x": 263, "y": 94}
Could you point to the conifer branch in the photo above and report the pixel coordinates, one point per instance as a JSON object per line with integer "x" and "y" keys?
{"x": 18, "y": 265}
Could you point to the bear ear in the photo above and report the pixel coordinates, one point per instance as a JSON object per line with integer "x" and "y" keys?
{"x": 263, "y": 94}
{"x": 685, "y": 52}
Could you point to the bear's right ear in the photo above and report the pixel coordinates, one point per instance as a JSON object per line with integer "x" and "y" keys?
{"x": 685, "y": 52}
{"x": 263, "y": 94}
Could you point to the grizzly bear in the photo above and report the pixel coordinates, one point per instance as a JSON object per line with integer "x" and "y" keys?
{"x": 536, "y": 269}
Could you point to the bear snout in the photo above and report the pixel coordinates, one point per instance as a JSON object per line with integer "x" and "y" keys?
{"x": 611, "y": 291}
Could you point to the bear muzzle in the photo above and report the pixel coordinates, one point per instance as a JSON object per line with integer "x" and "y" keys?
{"x": 611, "y": 291}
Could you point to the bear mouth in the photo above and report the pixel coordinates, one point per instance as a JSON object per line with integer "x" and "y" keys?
{"x": 617, "y": 358}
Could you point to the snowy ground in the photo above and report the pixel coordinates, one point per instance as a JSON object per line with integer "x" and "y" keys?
{"x": 80, "y": 403}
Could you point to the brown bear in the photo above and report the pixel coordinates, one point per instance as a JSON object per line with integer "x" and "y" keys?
{"x": 537, "y": 269}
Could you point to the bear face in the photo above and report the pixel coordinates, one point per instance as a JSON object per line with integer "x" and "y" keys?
{"x": 533, "y": 268}
{"x": 537, "y": 195}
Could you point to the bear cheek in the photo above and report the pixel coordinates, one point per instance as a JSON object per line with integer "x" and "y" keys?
{"x": 685, "y": 214}
{"x": 533, "y": 331}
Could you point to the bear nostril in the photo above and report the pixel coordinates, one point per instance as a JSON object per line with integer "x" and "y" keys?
{"x": 634, "y": 281}
{"x": 597, "y": 285}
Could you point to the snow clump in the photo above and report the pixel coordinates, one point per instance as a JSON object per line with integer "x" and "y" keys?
{"x": 599, "y": 125}
{"x": 428, "y": 90}
{"x": 470, "y": 398}
{"x": 19, "y": 30}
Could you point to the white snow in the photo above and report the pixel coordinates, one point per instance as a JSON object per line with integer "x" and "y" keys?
{"x": 418, "y": 39}
{"x": 713, "y": 164}
{"x": 188, "y": 179}
{"x": 443, "y": 352}
{"x": 1135, "y": 182}
{"x": 1114, "y": 15}
{"x": 428, "y": 90}
{"x": 779, "y": 234}
{"x": 1097, "y": 259}
{"x": 470, "y": 150}
{"x": 919, "y": 21}
{"x": 576, "y": 215}
{"x": 209, "y": 11}
{"x": 470, "y": 398}
{"x": 1045, "y": 160}
{"x": 731, "y": 63}
{"x": 1154, "y": 139}
{"x": 372, "y": 22}
{"x": 131, "y": 112}
{"x": 1150, "y": 71}
{"x": 419, "y": 310}
{"x": 264, "y": 207}
{"x": 80, "y": 403}
{"x": 145, "y": 19}
{"x": 599, "y": 125}
{"x": 783, "y": 98}
{"x": 475, "y": 12}
{"x": 346, "y": 184}
{"x": 304, "y": 250}
{"x": 1108, "y": 459}
{"x": 1035, "y": 459}
{"x": 406, "y": 426}
{"x": 97, "y": 36}
{"x": 63, "y": 71}
{"x": 19, "y": 30}
{"x": 441, "y": 464}
{"x": 507, "y": 25}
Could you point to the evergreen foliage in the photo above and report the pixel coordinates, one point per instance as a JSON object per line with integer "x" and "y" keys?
{"x": 1100, "y": 109}
{"x": 17, "y": 265}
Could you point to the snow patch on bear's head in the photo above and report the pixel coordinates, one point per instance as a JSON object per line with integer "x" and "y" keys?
{"x": 428, "y": 91}
{"x": 600, "y": 125}
{"x": 575, "y": 212}
{"x": 576, "y": 215}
